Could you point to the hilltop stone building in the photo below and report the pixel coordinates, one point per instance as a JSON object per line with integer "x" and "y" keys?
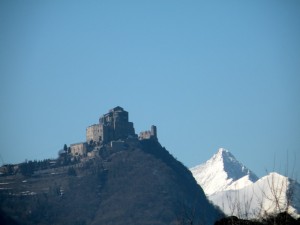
{"x": 113, "y": 125}
{"x": 78, "y": 149}
{"x": 93, "y": 133}
{"x": 112, "y": 129}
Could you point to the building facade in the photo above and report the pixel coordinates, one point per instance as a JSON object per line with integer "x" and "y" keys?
{"x": 113, "y": 125}
{"x": 93, "y": 133}
{"x": 79, "y": 149}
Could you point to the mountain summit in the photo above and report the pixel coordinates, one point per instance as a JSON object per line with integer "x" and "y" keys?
{"x": 222, "y": 172}
{"x": 238, "y": 191}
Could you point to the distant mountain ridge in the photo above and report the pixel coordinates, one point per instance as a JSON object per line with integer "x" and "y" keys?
{"x": 272, "y": 194}
{"x": 238, "y": 191}
{"x": 222, "y": 172}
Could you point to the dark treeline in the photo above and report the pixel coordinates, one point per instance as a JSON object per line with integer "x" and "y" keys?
{"x": 28, "y": 168}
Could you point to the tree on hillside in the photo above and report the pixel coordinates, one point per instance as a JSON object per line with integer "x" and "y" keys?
{"x": 27, "y": 168}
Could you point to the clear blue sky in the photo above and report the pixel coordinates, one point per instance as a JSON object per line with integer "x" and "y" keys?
{"x": 209, "y": 74}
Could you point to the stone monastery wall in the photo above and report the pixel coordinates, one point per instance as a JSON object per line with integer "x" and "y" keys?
{"x": 93, "y": 133}
{"x": 112, "y": 127}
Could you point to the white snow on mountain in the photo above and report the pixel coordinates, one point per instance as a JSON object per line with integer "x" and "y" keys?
{"x": 237, "y": 190}
{"x": 222, "y": 172}
{"x": 273, "y": 193}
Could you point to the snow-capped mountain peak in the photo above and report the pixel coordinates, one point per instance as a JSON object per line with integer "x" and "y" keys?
{"x": 222, "y": 153}
{"x": 222, "y": 172}
{"x": 237, "y": 190}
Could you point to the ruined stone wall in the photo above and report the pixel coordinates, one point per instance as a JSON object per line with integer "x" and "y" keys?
{"x": 106, "y": 133}
{"x": 93, "y": 133}
{"x": 153, "y": 131}
{"x": 148, "y": 134}
{"x": 79, "y": 149}
{"x": 145, "y": 134}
